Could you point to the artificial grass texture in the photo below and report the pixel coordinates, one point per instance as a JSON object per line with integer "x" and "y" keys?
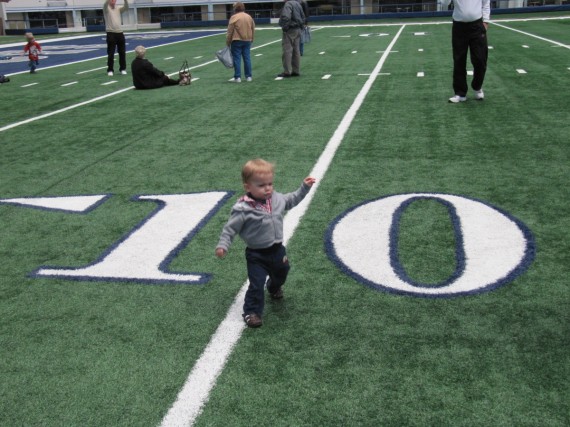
{"x": 333, "y": 352}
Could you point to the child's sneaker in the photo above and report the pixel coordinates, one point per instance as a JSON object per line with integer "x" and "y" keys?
{"x": 479, "y": 95}
{"x": 457, "y": 99}
{"x": 252, "y": 320}
{"x": 278, "y": 294}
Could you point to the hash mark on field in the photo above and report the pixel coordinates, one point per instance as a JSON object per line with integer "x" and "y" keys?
{"x": 419, "y": 34}
{"x": 169, "y": 58}
{"x": 491, "y": 47}
{"x": 321, "y": 53}
{"x": 109, "y": 83}
{"x": 194, "y": 79}
{"x": 521, "y": 71}
{"x": 420, "y": 74}
{"x": 69, "y": 84}
{"x": 33, "y": 84}
{"x": 354, "y": 51}
{"x": 420, "y": 50}
{"x": 90, "y": 71}
{"x": 469, "y": 72}
{"x": 198, "y": 57}
{"x": 259, "y": 54}
{"x": 525, "y": 46}
{"x": 279, "y": 78}
{"x": 326, "y": 77}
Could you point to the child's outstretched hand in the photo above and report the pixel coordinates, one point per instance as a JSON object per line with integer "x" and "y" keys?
{"x": 220, "y": 252}
{"x": 309, "y": 181}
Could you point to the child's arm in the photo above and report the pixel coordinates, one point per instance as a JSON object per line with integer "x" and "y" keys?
{"x": 125, "y": 6}
{"x": 232, "y": 227}
{"x": 294, "y": 198}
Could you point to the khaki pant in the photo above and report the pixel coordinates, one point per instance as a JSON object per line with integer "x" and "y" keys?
{"x": 291, "y": 53}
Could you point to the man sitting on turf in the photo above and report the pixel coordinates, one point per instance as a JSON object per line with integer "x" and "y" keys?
{"x": 146, "y": 76}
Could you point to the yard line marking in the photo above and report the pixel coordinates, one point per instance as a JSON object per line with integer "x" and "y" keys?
{"x": 420, "y": 74}
{"x": 109, "y": 83}
{"x": 382, "y": 51}
{"x": 521, "y": 71}
{"x": 69, "y": 84}
{"x": 194, "y": 79}
{"x": 195, "y": 391}
{"x": 90, "y": 71}
{"x": 98, "y": 98}
{"x": 326, "y": 77}
{"x": 30, "y": 84}
{"x": 532, "y": 35}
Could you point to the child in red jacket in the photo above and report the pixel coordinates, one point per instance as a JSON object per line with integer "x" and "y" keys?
{"x": 33, "y": 49}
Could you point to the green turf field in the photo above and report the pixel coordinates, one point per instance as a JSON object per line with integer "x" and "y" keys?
{"x": 334, "y": 352}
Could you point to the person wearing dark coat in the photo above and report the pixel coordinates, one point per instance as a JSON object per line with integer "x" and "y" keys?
{"x": 147, "y": 76}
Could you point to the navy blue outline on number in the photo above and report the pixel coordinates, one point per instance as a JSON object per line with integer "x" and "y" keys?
{"x": 400, "y": 270}
{"x": 526, "y": 260}
{"x": 205, "y": 277}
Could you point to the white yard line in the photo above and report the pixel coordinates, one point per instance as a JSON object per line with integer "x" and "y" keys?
{"x": 532, "y": 35}
{"x": 202, "y": 378}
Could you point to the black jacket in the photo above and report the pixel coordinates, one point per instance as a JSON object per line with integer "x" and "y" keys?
{"x": 145, "y": 75}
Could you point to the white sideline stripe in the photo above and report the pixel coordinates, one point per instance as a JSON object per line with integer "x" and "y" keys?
{"x": 532, "y": 35}
{"x": 202, "y": 378}
{"x": 81, "y": 104}
{"x": 90, "y": 71}
{"x": 30, "y": 84}
{"x": 521, "y": 71}
{"x": 420, "y": 74}
{"x": 69, "y": 84}
{"x": 326, "y": 77}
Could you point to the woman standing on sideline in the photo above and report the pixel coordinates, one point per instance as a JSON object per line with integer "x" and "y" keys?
{"x": 240, "y": 37}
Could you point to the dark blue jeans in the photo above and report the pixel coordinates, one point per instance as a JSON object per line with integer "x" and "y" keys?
{"x": 241, "y": 49}
{"x": 261, "y": 263}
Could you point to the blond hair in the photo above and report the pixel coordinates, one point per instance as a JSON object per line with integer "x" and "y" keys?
{"x": 29, "y": 36}
{"x": 239, "y": 6}
{"x": 256, "y": 167}
{"x": 140, "y": 51}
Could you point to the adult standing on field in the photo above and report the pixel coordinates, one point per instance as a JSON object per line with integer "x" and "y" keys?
{"x": 292, "y": 22}
{"x": 469, "y": 33}
{"x": 239, "y": 38}
{"x": 115, "y": 35}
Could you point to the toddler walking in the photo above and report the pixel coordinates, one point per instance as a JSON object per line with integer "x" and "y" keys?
{"x": 33, "y": 49}
{"x": 258, "y": 219}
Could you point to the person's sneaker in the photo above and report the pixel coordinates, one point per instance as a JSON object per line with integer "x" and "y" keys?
{"x": 284, "y": 75}
{"x": 236, "y": 80}
{"x": 252, "y": 320}
{"x": 295, "y": 75}
{"x": 456, "y": 99}
{"x": 248, "y": 79}
{"x": 124, "y": 72}
{"x": 110, "y": 73}
{"x": 479, "y": 95}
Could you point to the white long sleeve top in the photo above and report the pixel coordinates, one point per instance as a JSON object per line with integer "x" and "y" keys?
{"x": 471, "y": 10}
